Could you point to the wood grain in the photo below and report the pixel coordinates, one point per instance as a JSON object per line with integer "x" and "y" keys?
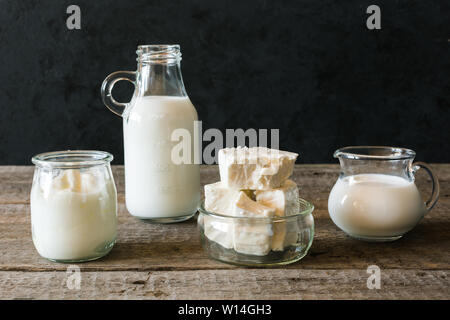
{"x": 226, "y": 284}
{"x": 334, "y": 268}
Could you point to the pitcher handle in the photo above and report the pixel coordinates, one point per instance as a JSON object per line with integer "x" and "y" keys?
{"x": 430, "y": 203}
{"x": 108, "y": 85}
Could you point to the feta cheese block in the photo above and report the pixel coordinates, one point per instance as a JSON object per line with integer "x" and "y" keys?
{"x": 255, "y": 168}
{"x": 221, "y": 200}
{"x": 246, "y": 207}
{"x": 252, "y": 236}
{"x": 219, "y": 231}
{"x": 285, "y": 201}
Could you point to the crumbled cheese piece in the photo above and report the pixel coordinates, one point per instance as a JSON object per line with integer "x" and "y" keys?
{"x": 256, "y": 168}
{"x": 221, "y": 200}
{"x": 285, "y": 202}
{"x": 252, "y": 236}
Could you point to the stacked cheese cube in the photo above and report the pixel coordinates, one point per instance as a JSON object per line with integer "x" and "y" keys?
{"x": 254, "y": 183}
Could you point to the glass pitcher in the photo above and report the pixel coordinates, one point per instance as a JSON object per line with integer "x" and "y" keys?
{"x": 159, "y": 187}
{"x": 375, "y": 198}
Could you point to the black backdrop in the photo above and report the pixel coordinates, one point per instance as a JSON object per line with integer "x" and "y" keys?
{"x": 310, "y": 68}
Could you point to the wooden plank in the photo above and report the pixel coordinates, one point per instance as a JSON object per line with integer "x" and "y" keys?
{"x": 15, "y": 184}
{"x": 167, "y": 261}
{"x": 142, "y": 246}
{"x": 226, "y": 284}
{"x": 315, "y": 181}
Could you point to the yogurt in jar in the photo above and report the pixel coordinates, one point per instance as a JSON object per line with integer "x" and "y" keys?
{"x": 74, "y": 215}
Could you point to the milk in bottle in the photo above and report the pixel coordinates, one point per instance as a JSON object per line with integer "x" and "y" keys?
{"x": 154, "y": 185}
{"x": 157, "y": 188}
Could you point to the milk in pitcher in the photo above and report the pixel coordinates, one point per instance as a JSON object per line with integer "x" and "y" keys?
{"x": 375, "y": 205}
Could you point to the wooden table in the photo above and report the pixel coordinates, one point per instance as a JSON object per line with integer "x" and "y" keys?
{"x": 167, "y": 262}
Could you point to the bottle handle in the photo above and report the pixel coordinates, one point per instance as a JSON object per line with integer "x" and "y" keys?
{"x": 108, "y": 85}
{"x": 431, "y": 202}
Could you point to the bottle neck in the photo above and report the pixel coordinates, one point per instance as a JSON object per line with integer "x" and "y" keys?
{"x": 159, "y": 72}
{"x": 160, "y": 80}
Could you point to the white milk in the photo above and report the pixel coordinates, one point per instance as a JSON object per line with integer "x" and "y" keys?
{"x": 73, "y": 216}
{"x": 155, "y": 187}
{"x": 375, "y": 205}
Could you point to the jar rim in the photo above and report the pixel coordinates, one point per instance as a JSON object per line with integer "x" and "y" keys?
{"x": 72, "y": 158}
{"x": 158, "y": 47}
{"x": 159, "y": 53}
{"x": 306, "y": 208}
{"x": 374, "y": 153}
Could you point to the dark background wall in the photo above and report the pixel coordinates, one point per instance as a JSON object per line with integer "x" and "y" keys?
{"x": 310, "y": 68}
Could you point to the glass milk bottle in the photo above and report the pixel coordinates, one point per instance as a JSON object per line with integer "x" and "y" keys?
{"x": 160, "y": 186}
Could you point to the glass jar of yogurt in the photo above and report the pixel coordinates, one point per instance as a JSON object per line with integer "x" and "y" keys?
{"x": 73, "y": 205}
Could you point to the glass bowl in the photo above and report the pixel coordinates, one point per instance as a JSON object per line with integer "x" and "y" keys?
{"x": 254, "y": 241}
